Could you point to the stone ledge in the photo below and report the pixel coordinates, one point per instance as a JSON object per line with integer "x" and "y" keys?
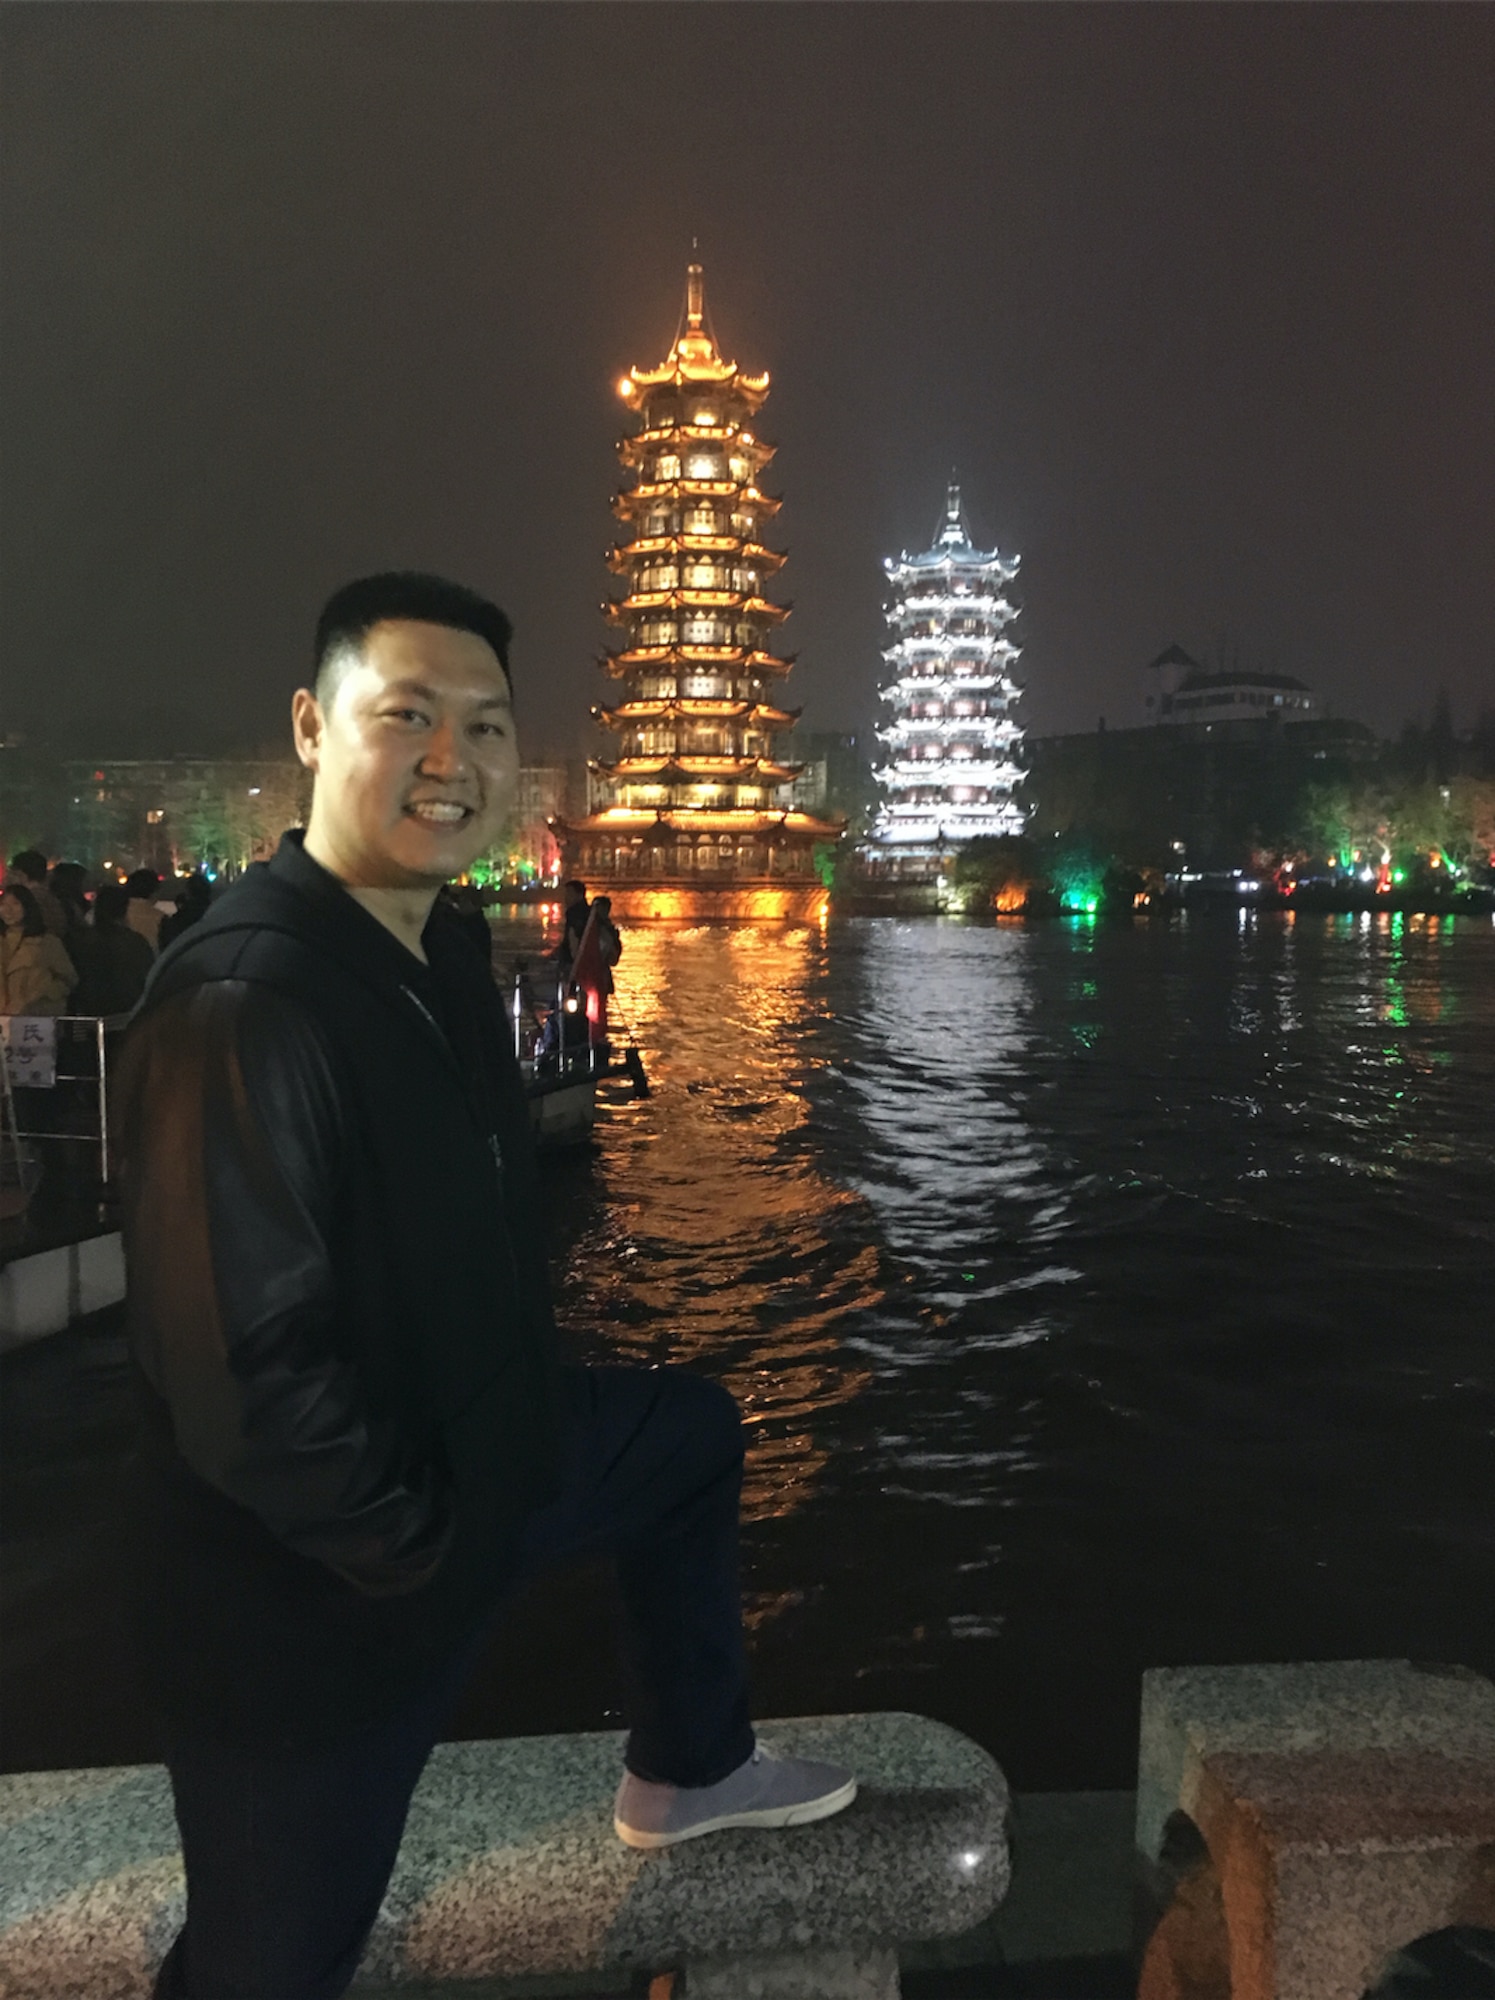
{"x": 1342, "y": 1809}
{"x": 510, "y": 1867}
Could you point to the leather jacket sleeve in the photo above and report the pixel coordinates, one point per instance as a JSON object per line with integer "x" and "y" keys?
{"x": 228, "y": 1116}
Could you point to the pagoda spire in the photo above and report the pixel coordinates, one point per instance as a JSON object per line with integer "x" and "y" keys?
{"x": 695, "y": 298}
{"x": 952, "y": 531}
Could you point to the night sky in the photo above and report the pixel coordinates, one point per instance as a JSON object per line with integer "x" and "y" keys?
{"x": 1199, "y": 300}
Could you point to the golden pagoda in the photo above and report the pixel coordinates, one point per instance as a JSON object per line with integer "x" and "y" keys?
{"x": 693, "y": 817}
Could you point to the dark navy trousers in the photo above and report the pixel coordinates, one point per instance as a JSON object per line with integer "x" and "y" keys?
{"x": 287, "y": 1858}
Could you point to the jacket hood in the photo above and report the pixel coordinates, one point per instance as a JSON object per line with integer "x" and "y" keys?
{"x": 293, "y": 902}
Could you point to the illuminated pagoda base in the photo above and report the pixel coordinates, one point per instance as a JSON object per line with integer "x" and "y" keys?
{"x": 950, "y": 768}
{"x": 693, "y": 816}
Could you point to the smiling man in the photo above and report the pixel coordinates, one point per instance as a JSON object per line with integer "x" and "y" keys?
{"x": 357, "y": 1439}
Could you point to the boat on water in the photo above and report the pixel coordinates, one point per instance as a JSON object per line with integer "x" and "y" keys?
{"x": 564, "y": 1062}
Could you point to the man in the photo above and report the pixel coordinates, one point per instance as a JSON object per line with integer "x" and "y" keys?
{"x": 29, "y": 868}
{"x": 143, "y": 914}
{"x": 114, "y": 962}
{"x": 357, "y": 1437}
{"x": 573, "y": 926}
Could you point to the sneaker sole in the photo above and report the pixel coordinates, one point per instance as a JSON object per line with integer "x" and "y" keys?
{"x": 767, "y": 1816}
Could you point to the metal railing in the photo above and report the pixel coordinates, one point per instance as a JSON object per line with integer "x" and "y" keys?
{"x": 79, "y": 1075}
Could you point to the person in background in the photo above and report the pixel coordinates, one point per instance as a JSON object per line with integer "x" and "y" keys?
{"x": 142, "y": 887}
{"x": 192, "y": 904}
{"x": 578, "y": 909}
{"x": 596, "y": 955}
{"x": 68, "y": 885}
{"x": 114, "y": 962}
{"x": 29, "y": 869}
{"x": 36, "y": 974}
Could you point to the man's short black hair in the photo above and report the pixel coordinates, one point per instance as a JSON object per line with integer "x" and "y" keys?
{"x": 351, "y": 613}
{"x": 111, "y": 903}
{"x": 142, "y": 884}
{"x": 30, "y": 864}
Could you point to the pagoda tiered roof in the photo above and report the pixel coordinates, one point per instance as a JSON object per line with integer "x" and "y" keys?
{"x": 731, "y": 437}
{"x": 689, "y": 598}
{"x": 697, "y": 708}
{"x": 637, "y": 498}
{"x": 688, "y": 768}
{"x": 620, "y": 664}
{"x": 694, "y": 358}
{"x": 623, "y": 554}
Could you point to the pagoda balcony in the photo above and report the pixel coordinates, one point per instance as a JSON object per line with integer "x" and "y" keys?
{"x": 626, "y": 555}
{"x": 942, "y": 574}
{"x": 944, "y": 687}
{"x": 690, "y": 598}
{"x": 963, "y": 604}
{"x": 696, "y": 708}
{"x": 919, "y": 645}
{"x": 938, "y": 669}
{"x": 909, "y": 772}
{"x": 686, "y": 768}
{"x": 635, "y": 657}
{"x": 747, "y": 501}
{"x": 981, "y": 728}
{"x": 652, "y": 492}
{"x": 723, "y": 437}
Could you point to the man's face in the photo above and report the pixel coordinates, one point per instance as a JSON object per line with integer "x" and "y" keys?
{"x": 415, "y": 756}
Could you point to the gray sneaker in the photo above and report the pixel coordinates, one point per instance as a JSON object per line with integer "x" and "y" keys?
{"x": 765, "y": 1791}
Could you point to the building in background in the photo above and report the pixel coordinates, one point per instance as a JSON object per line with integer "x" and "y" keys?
{"x": 219, "y": 814}
{"x": 539, "y": 804}
{"x": 694, "y": 813}
{"x": 180, "y": 814}
{"x": 835, "y": 778}
{"x": 949, "y": 770}
{"x": 1185, "y": 695}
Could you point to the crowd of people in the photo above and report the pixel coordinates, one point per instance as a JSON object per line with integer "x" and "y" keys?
{"x": 64, "y": 950}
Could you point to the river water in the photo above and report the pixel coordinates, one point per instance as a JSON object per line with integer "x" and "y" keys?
{"x": 1097, "y": 1295}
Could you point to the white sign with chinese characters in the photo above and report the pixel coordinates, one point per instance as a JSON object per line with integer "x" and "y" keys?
{"x": 30, "y": 1045}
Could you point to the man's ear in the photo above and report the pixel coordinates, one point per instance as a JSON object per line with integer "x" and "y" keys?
{"x": 307, "y": 725}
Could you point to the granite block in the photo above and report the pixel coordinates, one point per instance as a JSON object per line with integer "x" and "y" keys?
{"x": 813, "y": 1975}
{"x": 1191, "y": 1712}
{"x": 510, "y": 1866}
{"x": 1330, "y": 1861}
{"x": 1345, "y": 1810}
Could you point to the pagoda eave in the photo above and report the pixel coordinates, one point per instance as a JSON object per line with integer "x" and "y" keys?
{"x": 621, "y": 555}
{"x": 620, "y": 664}
{"x": 693, "y": 819}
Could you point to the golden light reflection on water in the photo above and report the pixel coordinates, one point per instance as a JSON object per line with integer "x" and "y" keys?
{"x": 714, "y": 1220}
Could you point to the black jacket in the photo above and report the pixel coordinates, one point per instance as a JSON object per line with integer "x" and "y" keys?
{"x": 338, "y": 1308}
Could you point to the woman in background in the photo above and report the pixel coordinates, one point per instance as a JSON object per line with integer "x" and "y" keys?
{"x": 36, "y": 974}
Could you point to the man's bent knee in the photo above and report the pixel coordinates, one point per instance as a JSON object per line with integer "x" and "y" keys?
{"x": 709, "y": 1415}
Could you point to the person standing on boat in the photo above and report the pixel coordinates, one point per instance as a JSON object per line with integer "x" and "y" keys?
{"x": 573, "y": 927}
{"x": 358, "y": 1440}
{"x": 592, "y": 975}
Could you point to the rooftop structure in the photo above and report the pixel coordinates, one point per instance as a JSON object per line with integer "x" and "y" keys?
{"x": 951, "y": 741}
{"x": 694, "y": 811}
{"x": 1186, "y": 694}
